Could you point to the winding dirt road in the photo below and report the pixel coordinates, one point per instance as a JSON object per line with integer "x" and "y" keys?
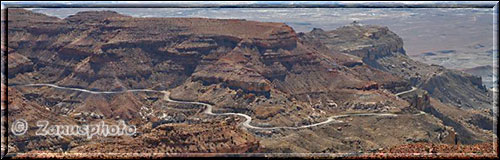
{"x": 404, "y": 92}
{"x": 208, "y": 109}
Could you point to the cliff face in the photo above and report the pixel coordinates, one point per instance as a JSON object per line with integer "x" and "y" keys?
{"x": 382, "y": 49}
{"x": 261, "y": 69}
{"x": 459, "y": 89}
{"x": 94, "y": 49}
{"x": 368, "y": 42}
{"x": 239, "y": 65}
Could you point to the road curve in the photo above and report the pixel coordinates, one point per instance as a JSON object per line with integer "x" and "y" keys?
{"x": 89, "y": 91}
{"x": 404, "y": 92}
{"x": 208, "y": 109}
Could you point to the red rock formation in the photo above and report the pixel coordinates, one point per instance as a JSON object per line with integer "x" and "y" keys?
{"x": 237, "y": 65}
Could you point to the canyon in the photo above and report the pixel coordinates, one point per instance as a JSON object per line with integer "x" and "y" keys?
{"x": 199, "y": 85}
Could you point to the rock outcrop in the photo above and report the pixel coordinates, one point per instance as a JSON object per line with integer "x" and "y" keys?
{"x": 418, "y": 99}
{"x": 262, "y": 69}
{"x": 382, "y": 49}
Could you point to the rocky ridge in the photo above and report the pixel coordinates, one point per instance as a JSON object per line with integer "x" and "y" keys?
{"x": 262, "y": 69}
{"x": 382, "y": 49}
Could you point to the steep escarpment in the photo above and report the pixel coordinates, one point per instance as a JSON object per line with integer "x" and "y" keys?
{"x": 261, "y": 69}
{"x": 369, "y": 43}
{"x": 382, "y": 49}
{"x": 238, "y": 65}
{"x": 108, "y": 51}
{"x": 472, "y": 95}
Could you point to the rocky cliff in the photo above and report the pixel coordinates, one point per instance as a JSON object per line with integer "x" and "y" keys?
{"x": 382, "y": 49}
{"x": 262, "y": 69}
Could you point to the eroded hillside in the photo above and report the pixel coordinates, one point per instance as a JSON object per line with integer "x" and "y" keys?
{"x": 263, "y": 70}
